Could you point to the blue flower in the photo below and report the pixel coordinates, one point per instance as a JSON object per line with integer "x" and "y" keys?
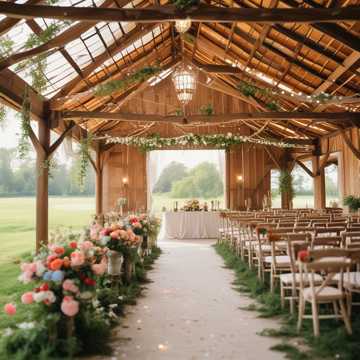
{"x": 57, "y": 276}
{"x": 47, "y": 275}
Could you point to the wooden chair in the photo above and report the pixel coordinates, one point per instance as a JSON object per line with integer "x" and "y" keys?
{"x": 290, "y": 282}
{"x": 329, "y": 262}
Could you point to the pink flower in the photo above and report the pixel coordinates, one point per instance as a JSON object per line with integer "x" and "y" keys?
{"x": 10, "y": 309}
{"x": 28, "y": 267}
{"x": 69, "y": 306}
{"x": 99, "y": 269}
{"x": 27, "y": 298}
{"x": 123, "y": 234}
{"x": 69, "y": 285}
{"x": 77, "y": 258}
{"x": 26, "y": 277}
{"x": 86, "y": 245}
{"x": 115, "y": 234}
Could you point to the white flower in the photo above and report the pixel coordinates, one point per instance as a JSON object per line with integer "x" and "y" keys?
{"x": 26, "y": 325}
{"x": 8, "y": 332}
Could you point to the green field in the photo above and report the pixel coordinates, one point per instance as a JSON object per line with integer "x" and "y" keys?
{"x": 303, "y": 201}
{"x": 17, "y": 236}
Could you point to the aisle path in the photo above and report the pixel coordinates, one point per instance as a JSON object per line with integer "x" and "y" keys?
{"x": 191, "y": 312}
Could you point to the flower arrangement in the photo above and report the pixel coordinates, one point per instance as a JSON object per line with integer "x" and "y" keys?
{"x": 192, "y": 205}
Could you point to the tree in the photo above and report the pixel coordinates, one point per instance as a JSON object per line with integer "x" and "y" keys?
{"x": 204, "y": 181}
{"x": 6, "y": 172}
{"x": 175, "y": 171}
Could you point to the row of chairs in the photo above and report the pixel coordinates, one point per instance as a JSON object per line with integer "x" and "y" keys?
{"x": 271, "y": 244}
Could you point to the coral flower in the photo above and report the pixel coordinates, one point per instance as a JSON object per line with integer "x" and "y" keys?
{"x": 73, "y": 244}
{"x": 56, "y": 264}
{"x": 77, "y": 258}
{"x": 66, "y": 262}
{"x": 10, "y": 309}
{"x": 99, "y": 269}
{"x": 69, "y": 306}
{"x": 59, "y": 250}
{"x": 27, "y": 298}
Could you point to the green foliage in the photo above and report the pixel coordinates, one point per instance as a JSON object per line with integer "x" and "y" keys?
{"x": 185, "y": 4}
{"x": 286, "y": 184}
{"x": 112, "y": 86}
{"x": 173, "y": 172}
{"x": 202, "y": 181}
{"x": 207, "y": 110}
{"x": 24, "y": 144}
{"x": 352, "y": 202}
{"x": 6, "y": 46}
{"x": 2, "y": 115}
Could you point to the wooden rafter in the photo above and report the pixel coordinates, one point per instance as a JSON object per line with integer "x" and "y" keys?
{"x": 166, "y": 13}
{"x": 350, "y": 144}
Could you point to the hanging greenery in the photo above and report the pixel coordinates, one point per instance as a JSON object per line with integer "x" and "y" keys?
{"x": 36, "y": 66}
{"x": 139, "y": 76}
{"x": 207, "y": 110}
{"x": 2, "y": 115}
{"x": 84, "y": 155}
{"x": 49, "y": 164}
{"x": 248, "y": 89}
{"x": 286, "y": 184}
{"x": 6, "y": 46}
{"x": 24, "y": 144}
{"x": 185, "y": 4}
{"x": 221, "y": 141}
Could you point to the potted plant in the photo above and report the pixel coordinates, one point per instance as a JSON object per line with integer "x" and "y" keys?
{"x": 352, "y": 202}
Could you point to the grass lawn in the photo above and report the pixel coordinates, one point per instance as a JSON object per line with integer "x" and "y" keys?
{"x": 303, "y": 201}
{"x": 158, "y": 201}
{"x": 17, "y": 236}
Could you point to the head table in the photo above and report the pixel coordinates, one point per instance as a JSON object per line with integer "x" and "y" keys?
{"x": 190, "y": 225}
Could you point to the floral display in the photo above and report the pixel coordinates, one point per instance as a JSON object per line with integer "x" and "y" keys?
{"x": 192, "y": 205}
{"x": 220, "y": 141}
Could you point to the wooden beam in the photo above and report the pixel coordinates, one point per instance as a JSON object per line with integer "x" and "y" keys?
{"x": 60, "y": 139}
{"x": 329, "y": 117}
{"x": 125, "y": 41}
{"x": 58, "y": 41}
{"x": 273, "y": 157}
{"x": 305, "y": 168}
{"x": 201, "y": 13}
{"x": 349, "y": 143}
{"x": 219, "y": 69}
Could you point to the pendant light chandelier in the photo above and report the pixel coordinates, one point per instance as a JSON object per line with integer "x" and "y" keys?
{"x": 182, "y": 26}
{"x": 184, "y": 80}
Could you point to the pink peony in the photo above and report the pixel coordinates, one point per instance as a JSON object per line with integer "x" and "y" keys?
{"x": 27, "y": 298}
{"x": 77, "y": 258}
{"x": 69, "y": 285}
{"x": 99, "y": 269}
{"x": 10, "y": 309}
{"x": 86, "y": 245}
{"x": 69, "y": 306}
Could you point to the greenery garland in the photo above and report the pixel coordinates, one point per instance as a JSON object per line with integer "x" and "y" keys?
{"x": 286, "y": 184}
{"x": 24, "y": 144}
{"x": 138, "y": 76}
{"x": 221, "y": 141}
{"x": 85, "y": 145}
{"x": 2, "y": 115}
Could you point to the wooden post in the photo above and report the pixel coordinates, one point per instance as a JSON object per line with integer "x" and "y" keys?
{"x": 42, "y": 197}
{"x": 99, "y": 182}
{"x": 319, "y": 184}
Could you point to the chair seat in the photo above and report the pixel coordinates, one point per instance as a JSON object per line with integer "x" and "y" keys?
{"x": 281, "y": 260}
{"x": 351, "y": 279}
{"x": 289, "y": 279}
{"x": 327, "y": 293}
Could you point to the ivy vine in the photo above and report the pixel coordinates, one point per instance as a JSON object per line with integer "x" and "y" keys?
{"x": 139, "y": 76}
{"x": 6, "y": 46}
{"x": 286, "y": 184}
{"x": 2, "y": 115}
{"x": 85, "y": 145}
{"x": 24, "y": 144}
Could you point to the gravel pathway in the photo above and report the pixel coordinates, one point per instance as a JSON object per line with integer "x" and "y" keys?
{"x": 191, "y": 312}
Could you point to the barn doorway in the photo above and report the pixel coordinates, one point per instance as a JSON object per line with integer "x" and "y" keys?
{"x": 176, "y": 176}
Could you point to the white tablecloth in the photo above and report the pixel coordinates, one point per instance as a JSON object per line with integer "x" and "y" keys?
{"x": 190, "y": 225}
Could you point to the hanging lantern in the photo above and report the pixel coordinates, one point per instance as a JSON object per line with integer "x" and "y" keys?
{"x": 184, "y": 81}
{"x": 182, "y": 26}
